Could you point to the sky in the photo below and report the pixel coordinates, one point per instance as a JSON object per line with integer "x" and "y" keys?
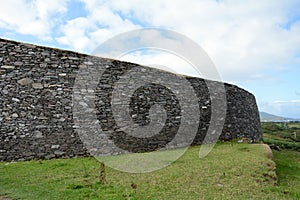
{"x": 253, "y": 44}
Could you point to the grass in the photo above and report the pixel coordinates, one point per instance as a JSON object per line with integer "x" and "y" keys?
{"x": 282, "y": 134}
{"x": 294, "y": 124}
{"x": 287, "y": 137}
{"x": 288, "y": 172}
{"x": 283, "y": 144}
{"x": 230, "y": 171}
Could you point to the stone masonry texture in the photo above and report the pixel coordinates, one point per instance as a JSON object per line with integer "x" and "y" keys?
{"x": 36, "y": 107}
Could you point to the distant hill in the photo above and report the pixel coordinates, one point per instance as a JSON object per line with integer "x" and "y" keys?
{"x": 267, "y": 117}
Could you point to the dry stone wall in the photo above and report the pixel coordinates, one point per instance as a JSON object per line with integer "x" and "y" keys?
{"x": 36, "y": 108}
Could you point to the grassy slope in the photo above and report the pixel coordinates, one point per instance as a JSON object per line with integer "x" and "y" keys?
{"x": 283, "y": 135}
{"x": 231, "y": 170}
{"x": 287, "y": 161}
{"x": 288, "y": 172}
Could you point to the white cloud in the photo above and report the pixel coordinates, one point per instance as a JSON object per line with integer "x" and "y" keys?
{"x": 290, "y": 108}
{"x": 161, "y": 60}
{"x": 101, "y": 23}
{"x": 31, "y": 17}
{"x": 75, "y": 33}
{"x": 243, "y": 38}
{"x": 287, "y": 102}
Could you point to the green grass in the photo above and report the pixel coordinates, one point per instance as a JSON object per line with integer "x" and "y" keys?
{"x": 294, "y": 125}
{"x": 282, "y": 134}
{"x": 288, "y": 172}
{"x": 283, "y": 144}
{"x": 230, "y": 171}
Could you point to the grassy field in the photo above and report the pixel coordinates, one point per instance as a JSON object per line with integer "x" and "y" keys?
{"x": 288, "y": 172}
{"x": 282, "y": 134}
{"x": 230, "y": 171}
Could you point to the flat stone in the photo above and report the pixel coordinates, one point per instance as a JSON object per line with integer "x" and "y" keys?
{"x": 59, "y": 153}
{"x": 88, "y": 63}
{"x": 18, "y": 63}
{"x": 24, "y": 81}
{"x": 73, "y": 58}
{"x": 42, "y": 118}
{"x": 38, "y": 134}
{"x": 7, "y": 67}
{"x": 49, "y": 156}
{"x": 62, "y": 119}
{"x": 43, "y": 65}
{"x": 30, "y": 45}
{"x": 37, "y": 85}
{"x": 40, "y": 126}
{"x": 15, "y": 115}
{"x": 4, "y": 91}
{"x": 5, "y": 114}
{"x": 55, "y": 146}
{"x": 27, "y": 154}
{"x": 15, "y": 99}
{"x": 50, "y": 77}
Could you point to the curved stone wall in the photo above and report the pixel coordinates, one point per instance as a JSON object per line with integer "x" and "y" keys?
{"x": 36, "y": 108}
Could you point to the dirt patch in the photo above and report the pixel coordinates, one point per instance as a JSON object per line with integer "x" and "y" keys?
{"x": 4, "y": 198}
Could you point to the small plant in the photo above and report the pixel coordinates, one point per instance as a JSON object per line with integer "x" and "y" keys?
{"x": 85, "y": 173}
{"x": 102, "y": 173}
{"x": 133, "y": 186}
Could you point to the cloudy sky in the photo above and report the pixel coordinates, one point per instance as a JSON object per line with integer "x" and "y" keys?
{"x": 254, "y": 44}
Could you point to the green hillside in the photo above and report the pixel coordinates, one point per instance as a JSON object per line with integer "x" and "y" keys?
{"x": 285, "y": 135}
{"x": 230, "y": 171}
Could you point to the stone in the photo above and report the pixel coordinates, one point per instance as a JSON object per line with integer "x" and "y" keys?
{"x": 88, "y": 63}
{"x": 37, "y": 85}
{"x": 83, "y": 104}
{"x": 59, "y": 153}
{"x": 15, "y": 99}
{"x": 18, "y": 63}
{"x": 49, "y": 156}
{"x": 5, "y": 114}
{"x": 62, "y": 119}
{"x": 4, "y": 91}
{"x": 73, "y": 58}
{"x": 42, "y": 118}
{"x": 37, "y": 92}
{"x": 43, "y": 65}
{"x": 15, "y": 115}
{"x": 24, "y": 81}
{"x": 50, "y": 77}
{"x": 40, "y": 126}
{"x": 7, "y": 67}
{"x": 38, "y": 134}
{"x": 55, "y": 146}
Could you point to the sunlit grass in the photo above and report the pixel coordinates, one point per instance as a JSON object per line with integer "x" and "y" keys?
{"x": 230, "y": 171}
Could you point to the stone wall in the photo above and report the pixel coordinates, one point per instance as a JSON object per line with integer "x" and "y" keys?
{"x": 36, "y": 107}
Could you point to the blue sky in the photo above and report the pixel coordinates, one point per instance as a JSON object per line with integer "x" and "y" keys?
{"x": 254, "y": 44}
